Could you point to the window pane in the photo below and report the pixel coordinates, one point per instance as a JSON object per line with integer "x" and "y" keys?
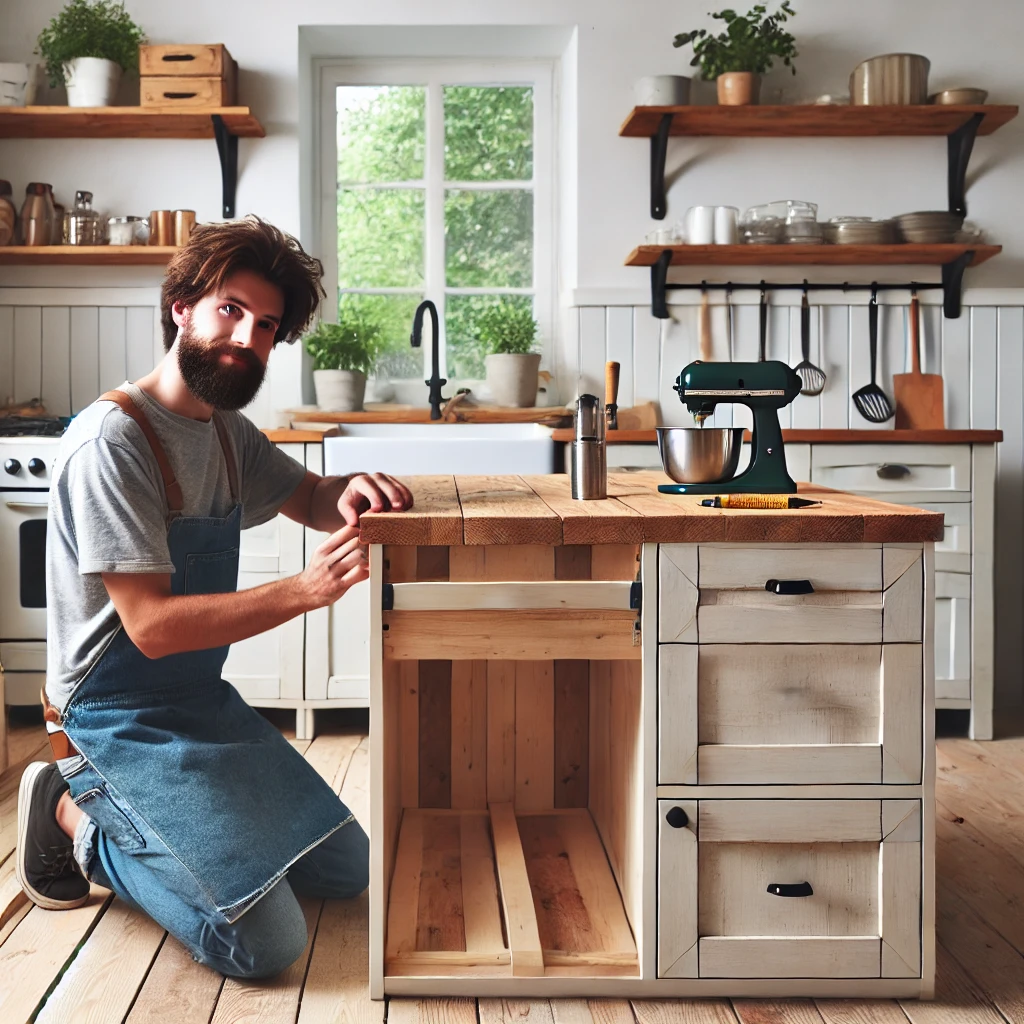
{"x": 488, "y": 133}
{"x": 489, "y": 239}
{"x": 393, "y": 314}
{"x": 380, "y": 238}
{"x": 381, "y": 133}
{"x": 464, "y": 352}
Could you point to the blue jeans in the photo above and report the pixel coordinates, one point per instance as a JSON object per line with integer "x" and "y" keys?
{"x": 267, "y": 938}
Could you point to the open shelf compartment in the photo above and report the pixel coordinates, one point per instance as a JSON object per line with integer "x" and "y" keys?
{"x": 496, "y": 894}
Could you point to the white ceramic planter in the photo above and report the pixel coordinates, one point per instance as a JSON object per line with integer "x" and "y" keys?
{"x": 91, "y": 81}
{"x": 512, "y": 379}
{"x": 339, "y": 390}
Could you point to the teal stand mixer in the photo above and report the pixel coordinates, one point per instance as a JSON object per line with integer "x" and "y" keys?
{"x": 765, "y": 387}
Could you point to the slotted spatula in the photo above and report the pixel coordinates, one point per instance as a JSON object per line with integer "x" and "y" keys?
{"x": 871, "y": 401}
{"x": 812, "y": 379}
{"x": 919, "y": 398}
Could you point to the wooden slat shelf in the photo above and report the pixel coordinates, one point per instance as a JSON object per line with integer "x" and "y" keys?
{"x": 86, "y": 255}
{"x": 904, "y": 254}
{"x": 459, "y": 877}
{"x": 124, "y": 123}
{"x": 795, "y": 121}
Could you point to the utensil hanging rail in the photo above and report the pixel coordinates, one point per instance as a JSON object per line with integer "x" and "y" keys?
{"x": 951, "y": 285}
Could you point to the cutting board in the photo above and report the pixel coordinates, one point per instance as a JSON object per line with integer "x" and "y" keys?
{"x": 919, "y": 396}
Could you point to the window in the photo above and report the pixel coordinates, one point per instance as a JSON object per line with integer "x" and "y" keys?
{"x": 437, "y": 184}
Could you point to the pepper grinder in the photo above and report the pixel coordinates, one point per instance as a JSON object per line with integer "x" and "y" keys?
{"x": 589, "y": 457}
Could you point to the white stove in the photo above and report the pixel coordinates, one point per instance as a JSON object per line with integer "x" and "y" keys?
{"x": 26, "y": 465}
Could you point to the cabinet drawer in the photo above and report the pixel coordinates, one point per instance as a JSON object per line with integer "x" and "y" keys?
{"x": 829, "y": 594}
{"x": 953, "y": 635}
{"x": 892, "y": 467}
{"x": 744, "y": 714}
{"x": 789, "y": 888}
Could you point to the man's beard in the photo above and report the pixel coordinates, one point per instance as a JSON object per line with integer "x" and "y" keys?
{"x": 224, "y": 387}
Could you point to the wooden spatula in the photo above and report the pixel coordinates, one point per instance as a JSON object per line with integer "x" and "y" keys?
{"x": 919, "y": 396}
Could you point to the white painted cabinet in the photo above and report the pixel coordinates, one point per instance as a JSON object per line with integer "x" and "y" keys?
{"x": 959, "y": 481}
{"x": 337, "y": 656}
{"x": 267, "y": 669}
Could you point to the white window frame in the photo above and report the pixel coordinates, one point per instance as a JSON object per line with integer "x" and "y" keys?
{"x": 434, "y": 74}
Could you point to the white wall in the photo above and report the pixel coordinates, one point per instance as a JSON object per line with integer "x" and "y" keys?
{"x": 618, "y": 42}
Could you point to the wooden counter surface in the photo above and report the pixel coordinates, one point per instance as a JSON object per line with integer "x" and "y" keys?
{"x": 289, "y": 435}
{"x": 490, "y": 510}
{"x": 824, "y": 436}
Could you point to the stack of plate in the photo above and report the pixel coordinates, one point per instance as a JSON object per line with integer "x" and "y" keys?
{"x": 859, "y": 231}
{"x": 928, "y": 227}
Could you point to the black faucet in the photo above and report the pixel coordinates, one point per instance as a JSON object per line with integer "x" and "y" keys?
{"x": 436, "y": 382}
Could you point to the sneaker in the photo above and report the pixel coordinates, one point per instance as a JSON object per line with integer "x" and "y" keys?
{"x": 45, "y": 862}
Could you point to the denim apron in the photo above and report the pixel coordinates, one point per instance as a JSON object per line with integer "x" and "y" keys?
{"x": 170, "y": 742}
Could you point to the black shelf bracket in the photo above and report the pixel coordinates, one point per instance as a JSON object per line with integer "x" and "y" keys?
{"x": 659, "y": 152}
{"x": 227, "y": 149}
{"x": 959, "y": 145}
{"x": 953, "y": 282}
{"x": 659, "y": 279}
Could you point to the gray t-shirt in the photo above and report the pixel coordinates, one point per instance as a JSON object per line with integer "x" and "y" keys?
{"x": 108, "y": 513}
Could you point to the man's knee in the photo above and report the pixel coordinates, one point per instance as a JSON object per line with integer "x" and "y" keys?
{"x": 262, "y": 943}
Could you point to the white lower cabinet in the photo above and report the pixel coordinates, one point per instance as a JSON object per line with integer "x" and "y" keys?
{"x": 268, "y": 667}
{"x": 952, "y": 635}
{"x": 789, "y": 888}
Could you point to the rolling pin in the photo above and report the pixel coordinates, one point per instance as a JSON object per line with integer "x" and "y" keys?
{"x": 611, "y": 394}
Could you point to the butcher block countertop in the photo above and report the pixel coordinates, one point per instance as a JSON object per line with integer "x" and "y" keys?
{"x": 488, "y": 510}
{"x": 798, "y": 436}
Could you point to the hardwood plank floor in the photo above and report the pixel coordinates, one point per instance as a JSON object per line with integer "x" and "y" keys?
{"x": 107, "y": 964}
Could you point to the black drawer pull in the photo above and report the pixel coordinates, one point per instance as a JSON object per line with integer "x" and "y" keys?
{"x": 796, "y": 889}
{"x": 892, "y": 471}
{"x": 677, "y": 817}
{"x": 789, "y": 587}
{"x": 180, "y": 95}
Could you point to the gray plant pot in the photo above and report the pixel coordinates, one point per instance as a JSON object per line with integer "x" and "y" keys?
{"x": 339, "y": 390}
{"x": 513, "y": 379}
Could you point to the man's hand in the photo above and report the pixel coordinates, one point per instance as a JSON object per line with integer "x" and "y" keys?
{"x": 337, "y": 564}
{"x": 372, "y": 492}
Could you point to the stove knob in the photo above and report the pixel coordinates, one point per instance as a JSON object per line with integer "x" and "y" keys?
{"x": 12, "y": 466}
{"x": 36, "y": 467}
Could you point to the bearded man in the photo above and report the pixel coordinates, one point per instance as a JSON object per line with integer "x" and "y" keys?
{"x": 167, "y": 787}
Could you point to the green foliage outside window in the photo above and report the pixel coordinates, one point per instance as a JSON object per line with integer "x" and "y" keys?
{"x": 488, "y": 232}
{"x": 102, "y": 29}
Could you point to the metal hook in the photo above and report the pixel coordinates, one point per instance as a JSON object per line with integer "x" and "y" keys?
{"x": 703, "y": 287}
{"x": 805, "y": 287}
{"x": 762, "y": 293}
{"x": 874, "y": 293}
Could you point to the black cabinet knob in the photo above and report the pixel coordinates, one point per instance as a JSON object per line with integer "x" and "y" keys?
{"x": 789, "y": 587}
{"x": 36, "y": 467}
{"x": 12, "y": 466}
{"x": 677, "y": 818}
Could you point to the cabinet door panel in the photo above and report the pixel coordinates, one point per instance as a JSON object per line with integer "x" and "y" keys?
{"x": 952, "y": 635}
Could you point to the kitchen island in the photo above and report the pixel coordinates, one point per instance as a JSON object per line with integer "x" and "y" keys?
{"x": 639, "y": 747}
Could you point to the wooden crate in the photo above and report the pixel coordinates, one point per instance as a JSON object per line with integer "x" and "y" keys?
{"x": 180, "y": 93}
{"x": 180, "y": 60}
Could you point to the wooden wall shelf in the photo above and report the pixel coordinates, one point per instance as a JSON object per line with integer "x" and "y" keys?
{"x": 225, "y": 124}
{"x": 960, "y": 125}
{"x": 86, "y": 255}
{"x": 906, "y": 254}
{"x": 124, "y": 123}
{"x": 804, "y": 120}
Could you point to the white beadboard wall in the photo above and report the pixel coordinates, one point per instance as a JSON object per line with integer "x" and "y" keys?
{"x": 69, "y": 353}
{"x": 980, "y": 355}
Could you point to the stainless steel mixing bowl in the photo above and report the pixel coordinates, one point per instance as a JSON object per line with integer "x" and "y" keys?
{"x": 700, "y": 455}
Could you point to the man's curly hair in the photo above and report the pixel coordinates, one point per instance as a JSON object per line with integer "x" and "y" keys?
{"x": 216, "y": 251}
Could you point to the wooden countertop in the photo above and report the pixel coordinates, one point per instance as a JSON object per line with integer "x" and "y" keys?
{"x": 825, "y": 436}
{"x": 493, "y": 510}
{"x": 290, "y": 435}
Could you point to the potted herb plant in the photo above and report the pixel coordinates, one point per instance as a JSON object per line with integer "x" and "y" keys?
{"x": 509, "y": 332}
{"x": 87, "y": 47}
{"x": 737, "y": 58}
{"x": 343, "y": 354}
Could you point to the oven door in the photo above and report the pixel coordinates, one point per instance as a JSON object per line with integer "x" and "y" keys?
{"x": 23, "y": 565}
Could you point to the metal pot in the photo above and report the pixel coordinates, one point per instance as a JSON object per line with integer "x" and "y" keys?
{"x": 890, "y": 79}
{"x": 700, "y": 455}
